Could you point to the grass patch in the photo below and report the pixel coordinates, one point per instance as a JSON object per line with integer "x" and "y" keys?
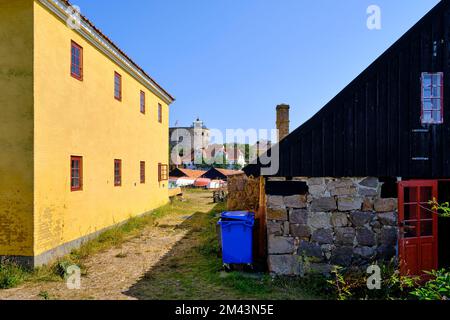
{"x": 12, "y": 275}
{"x": 193, "y": 270}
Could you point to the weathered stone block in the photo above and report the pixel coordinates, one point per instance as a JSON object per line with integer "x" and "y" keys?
{"x": 342, "y": 187}
{"x": 324, "y": 204}
{"x": 346, "y": 191}
{"x": 385, "y": 205}
{"x": 318, "y": 268}
{"x": 286, "y": 228}
{"x": 319, "y": 220}
{"x": 298, "y": 216}
{"x": 365, "y": 237}
{"x": 342, "y": 256}
{"x": 281, "y": 245}
{"x": 386, "y": 253}
{"x": 318, "y": 191}
{"x": 275, "y": 202}
{"x": 308, "y": 249}
{"x": 277, "y": 214}
{"x": 365, "y": 252}
{"x": 370, "y": 182}
{"x": 388, "y": 219}
{"x": 368, "y": 192}
{"x": 389, "y": 236}
{"x": 376, "y": 225}
{"x": 300, "y": 231}
{"x": 297, "y": 201}
{"x": 315, "y": 181}
{"x": 323, "y": 236}
{"x": 326, "y": 250}
{"x": 345, "y": 235}
{"x": 274, "y": 228}
{"x": 361, "y": 218}
{"x": 349, "y": 203}
{"x": 367, "y": 204}
{"x": 339, "y": 219}
{"x": 285, "y": 265}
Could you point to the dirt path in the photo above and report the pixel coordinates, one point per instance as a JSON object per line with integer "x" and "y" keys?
{"x": 111, "y": 273}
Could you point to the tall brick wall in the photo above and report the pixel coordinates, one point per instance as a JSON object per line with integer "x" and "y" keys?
{"x": 341, "y": 222}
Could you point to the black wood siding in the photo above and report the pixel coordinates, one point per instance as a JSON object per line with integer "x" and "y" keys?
{"x": 373, "y": 126}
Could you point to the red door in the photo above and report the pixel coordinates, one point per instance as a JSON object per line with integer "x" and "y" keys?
{"x": 418, "y": 246}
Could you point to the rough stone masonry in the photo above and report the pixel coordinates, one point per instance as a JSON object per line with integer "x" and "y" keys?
{"x": 342, "y": 222}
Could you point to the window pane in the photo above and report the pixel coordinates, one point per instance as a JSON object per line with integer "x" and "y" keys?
{"x": 410, "y": 229}
{"x": 437, "y": 117}
{"x": 429, "y": 104}
{"x": 437, "y": 79}
{"x": 427, "y": 92}
{"x": 426, "y": 194}
{"x": 410, "y": 194}
{"x": 436, "y": 92}
{"x": 76, "y": 173}
{"x": 411, "y": 211}
{"x": 426, "y": 228}
{"x": 75, "y": 183}
{"x": 426, "y": 80}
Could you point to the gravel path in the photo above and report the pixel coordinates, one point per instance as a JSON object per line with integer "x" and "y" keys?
{"x": 113, "y": 272}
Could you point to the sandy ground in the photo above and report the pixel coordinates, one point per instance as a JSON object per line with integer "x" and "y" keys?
{"x": 111, "y": 273}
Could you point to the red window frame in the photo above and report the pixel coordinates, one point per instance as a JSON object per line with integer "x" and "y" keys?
{"x": 76, "y": 173}
{"x": 432, "y": 98}
{"x": 142, "y": 172}
{"x": 142, "y": 102}
{"x": 159, "y": 113}
{"x": 163, "y": 172}
{"x": 76, "y": 66}
{"x": 117, "y": 86}
{"x": 117, "y": 172}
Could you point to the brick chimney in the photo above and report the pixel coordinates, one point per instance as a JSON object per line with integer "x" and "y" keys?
{"x": 283, "y": 121}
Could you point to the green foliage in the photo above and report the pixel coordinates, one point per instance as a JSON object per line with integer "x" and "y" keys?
{"x": 60, "y": 268}
{"x": 11, "y": 275}
{"x": 44, "y": 295}
{"x": 436, "y": 289}
{"x": 443, "y": 209}
{"x": 352, "y": 284}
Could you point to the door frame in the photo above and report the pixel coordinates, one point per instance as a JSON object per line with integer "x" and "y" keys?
{"x": 401, "y": 242}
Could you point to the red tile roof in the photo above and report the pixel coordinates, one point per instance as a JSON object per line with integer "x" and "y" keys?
{"x": 67, "y": 2}
{"x": 228, "y": 173}
{"x": 192, "y": 173}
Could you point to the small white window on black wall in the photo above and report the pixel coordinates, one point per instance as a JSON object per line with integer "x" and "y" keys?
{"x": 432, "y": 98}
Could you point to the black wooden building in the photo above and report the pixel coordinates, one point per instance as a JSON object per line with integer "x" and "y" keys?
{"x": 381, "y": 125}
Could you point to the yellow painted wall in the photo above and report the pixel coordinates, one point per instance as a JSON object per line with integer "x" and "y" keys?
{"x": 83, "y": 119}
{"x": 16, "y": 128}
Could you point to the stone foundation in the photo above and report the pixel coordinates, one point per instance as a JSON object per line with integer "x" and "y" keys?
{"x": 340, "y": 222}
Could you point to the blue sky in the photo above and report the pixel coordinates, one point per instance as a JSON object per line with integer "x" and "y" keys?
{"x": 230, "y": 62}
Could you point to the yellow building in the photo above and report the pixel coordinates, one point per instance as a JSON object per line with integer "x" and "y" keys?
{"x": 83, "y": 134}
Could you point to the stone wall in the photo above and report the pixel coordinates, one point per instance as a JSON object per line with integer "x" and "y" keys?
{"x": 341, "y": 222}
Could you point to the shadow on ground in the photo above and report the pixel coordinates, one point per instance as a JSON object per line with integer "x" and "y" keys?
{"x": 184, "y": 272}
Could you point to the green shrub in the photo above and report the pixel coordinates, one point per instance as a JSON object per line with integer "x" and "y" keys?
{"x": 436, "y": 289}
{"x": 352, "y": 284}
{"x": 11, "y": 276}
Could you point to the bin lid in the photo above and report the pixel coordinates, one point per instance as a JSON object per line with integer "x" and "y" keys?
{"x": 238, "y": 215}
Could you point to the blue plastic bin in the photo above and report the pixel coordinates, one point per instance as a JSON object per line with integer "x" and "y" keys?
{"x": 237, "y": 237}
